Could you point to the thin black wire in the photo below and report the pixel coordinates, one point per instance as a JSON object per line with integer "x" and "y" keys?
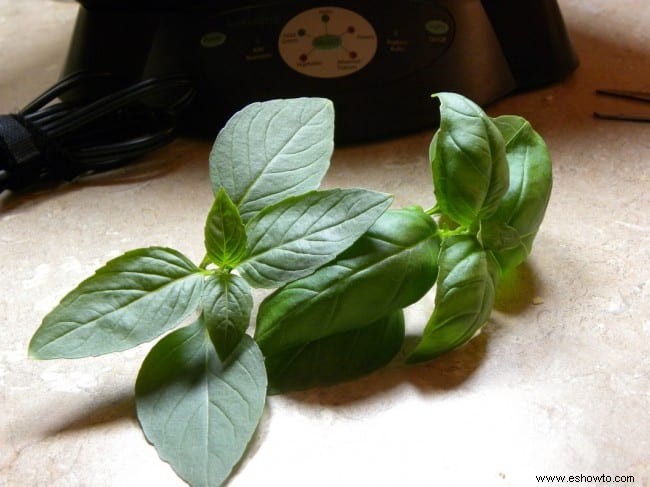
{"x": 73, "y": 120}
{"x": 638, "y": 96}
{"x": 110, "y": 130}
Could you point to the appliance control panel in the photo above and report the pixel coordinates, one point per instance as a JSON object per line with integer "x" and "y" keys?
{"x": 327, "y": 42}
{"x": 379, "y": 61}
{"x": 359, "y": 43}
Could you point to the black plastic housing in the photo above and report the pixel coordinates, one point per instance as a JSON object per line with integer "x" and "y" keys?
{"x": 489, "y": 49}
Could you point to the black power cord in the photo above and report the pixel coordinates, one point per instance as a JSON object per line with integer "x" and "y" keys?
{"x": 52, "y": 139}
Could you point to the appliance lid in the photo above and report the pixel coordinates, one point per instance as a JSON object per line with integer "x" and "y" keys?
{"x": 153, "y": 6}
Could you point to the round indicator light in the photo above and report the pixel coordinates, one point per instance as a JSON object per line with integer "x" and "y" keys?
{"x": 213, "y": 39}
{"x": 437, "y": 27}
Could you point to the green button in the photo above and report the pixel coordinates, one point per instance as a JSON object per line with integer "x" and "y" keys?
{"x": 327, "y": 42}
{"x": 437, "y": 27}
{"x": 213, "y": 39}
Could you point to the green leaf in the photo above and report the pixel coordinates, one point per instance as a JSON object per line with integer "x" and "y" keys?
{"x": 131, "y": 300}
{"x": 293, "y": 238}
{"x": 272, "y": 150}
{"x": 225, "y": 234}
{"x": 498, "y": 236}
{"x": 337, "y": 358}
{"x": 468, "y": 161}
{"x": 464, "y": 297}
{"x": 198, "y": 412}
{"x": 531, "y": 181}
{"x": 227, "y": 305}
{"x": 390, "y": 267}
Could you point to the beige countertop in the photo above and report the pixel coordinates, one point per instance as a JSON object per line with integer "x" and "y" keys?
{"x": 558, "y": 382}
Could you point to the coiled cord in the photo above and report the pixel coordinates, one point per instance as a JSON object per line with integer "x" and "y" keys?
{"x": 52, "y": 140}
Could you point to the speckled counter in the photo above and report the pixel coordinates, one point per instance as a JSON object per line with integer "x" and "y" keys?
{"x": 557, "y": 383}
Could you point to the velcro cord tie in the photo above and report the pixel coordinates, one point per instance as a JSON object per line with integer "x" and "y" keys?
{"x": 99, "y": 123}
{"x": 27, "y": 156}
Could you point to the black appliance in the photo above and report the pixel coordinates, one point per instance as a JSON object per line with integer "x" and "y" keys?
{"x": 132, "y": 64}
{"x": 378, "y": 60}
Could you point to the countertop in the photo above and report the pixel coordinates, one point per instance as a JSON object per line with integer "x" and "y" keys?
{"x": 557, "y": 383}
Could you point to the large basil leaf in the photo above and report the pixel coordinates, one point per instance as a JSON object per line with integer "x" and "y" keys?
{"x": 225, "y": 234}
{"x": 198, "y": 412}
{"x": 468, "y": 161}
{"x": 531, "y": 180}
{"x": 293, "y": 238}
{"x": 131, "y": 300}
{"x": 337, "y": 358}
{"x": 464, "y": 297}
{"x": 272, "y": 150}
{"x": 391, "y": 266}
{"x": 227, "y": 305}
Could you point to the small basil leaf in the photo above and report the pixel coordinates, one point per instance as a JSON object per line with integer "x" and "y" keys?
{"x": 531, "y": 180}
{"x": 271, "y": 150}
{"x": 468, "y": 161}
{"x": 198, "y": 412}
{"x": 390, "y": 267}
{"x": 337, "y": 358}
{"x": 225, "y": 234}
{"x": 131, "y": 300}
{"x": 227, "y": 305}
{"x": 293, "y": 238}
{"x": 464, "y": 297}
{"x": 498, "y": 236}
{"x": 510, "y": 126}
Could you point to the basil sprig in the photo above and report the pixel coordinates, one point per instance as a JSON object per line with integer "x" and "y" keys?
{"x": 201, "y": 390}
{"x": 342, "y": 268}
{"x": 492, "y": 184}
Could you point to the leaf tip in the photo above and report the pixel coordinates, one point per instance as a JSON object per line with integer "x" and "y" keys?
{"x": 33, "y": 354}
{"x": 34, "y": 349}
{"x": 415, "y": 358}
{"x": 38, "y": 353}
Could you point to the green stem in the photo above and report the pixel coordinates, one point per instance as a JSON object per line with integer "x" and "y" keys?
{"x": 435, "y": 210}
{"x": 205, "y": 262}
{"x": 452, "y": 233}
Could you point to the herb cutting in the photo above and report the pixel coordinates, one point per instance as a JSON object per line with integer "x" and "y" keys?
{"x": 341, "y": 263}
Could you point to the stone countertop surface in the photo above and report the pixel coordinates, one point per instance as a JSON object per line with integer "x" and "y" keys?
{"x": 557, "y": 383}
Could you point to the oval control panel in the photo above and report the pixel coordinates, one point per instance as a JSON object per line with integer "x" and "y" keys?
{"x": 327, "y": 42}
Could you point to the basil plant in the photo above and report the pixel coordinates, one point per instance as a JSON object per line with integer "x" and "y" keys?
{"x": 340, "y": 263}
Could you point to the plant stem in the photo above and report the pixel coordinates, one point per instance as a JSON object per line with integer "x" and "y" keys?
{"x": 205, "y": 262}
{"x": 435, "y": 210}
